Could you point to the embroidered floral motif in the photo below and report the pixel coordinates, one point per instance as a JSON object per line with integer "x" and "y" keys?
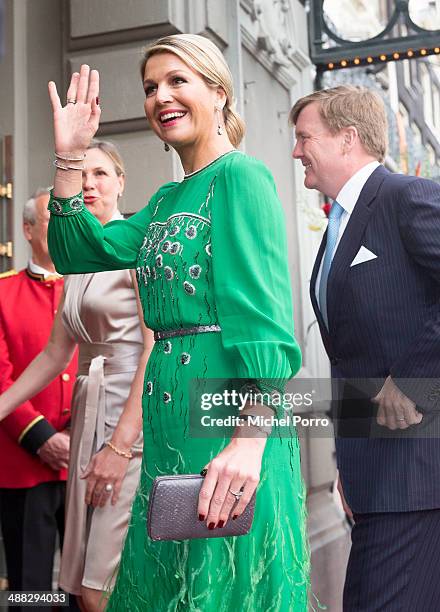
{"x": 66, "y": 206}
{"x": 149, "y": 387}
{"x": 174, "y": 230}
{"x": 76, "y": 204}
{"x": 168, "y": 273}
{"x": 153, "y": 273}
{"x": 185, "y": 358}
{"x": 189, "y": 289}
{"x": 167, "y": 347}
{"x": 166, "y": 246}
{"x": 159, "y": 261}
{"x": 166, "y": 397}
{"x": 208, "y": 249}
{"x": 194, "y": 271}
{"x": 174, "y": 248}
{"x": 191, "y": 232}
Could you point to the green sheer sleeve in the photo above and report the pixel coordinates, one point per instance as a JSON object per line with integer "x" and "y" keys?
{"x": 251, "y": 275}
{"x": 78, "y": 243}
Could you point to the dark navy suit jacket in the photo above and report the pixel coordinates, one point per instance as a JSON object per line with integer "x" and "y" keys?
{"x": 384, "y": 319}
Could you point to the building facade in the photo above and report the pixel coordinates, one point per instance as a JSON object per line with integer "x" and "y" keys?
{"x": 410, "y": 88}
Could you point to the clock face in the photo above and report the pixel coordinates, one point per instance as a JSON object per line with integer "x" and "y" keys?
{"x": 425, "y": 14}
{"x": 358, "y": 20}
{"x": 354, "y": 20}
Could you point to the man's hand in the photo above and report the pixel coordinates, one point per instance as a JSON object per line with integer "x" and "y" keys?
{"x": 55, "y": 451}
{"x": 396, "y": 410}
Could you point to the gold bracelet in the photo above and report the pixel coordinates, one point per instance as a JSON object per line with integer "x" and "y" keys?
{"x": 127, "y": 454}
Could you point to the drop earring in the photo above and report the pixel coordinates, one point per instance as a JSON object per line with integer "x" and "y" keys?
{"x": 219, "y": 125}
{"x": 166, "y": 146}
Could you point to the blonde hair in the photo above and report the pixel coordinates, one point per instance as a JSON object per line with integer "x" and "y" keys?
{"x": 112, "y": 153}
{"x": 203, "y": 56}
{"x": 349, "y": 105}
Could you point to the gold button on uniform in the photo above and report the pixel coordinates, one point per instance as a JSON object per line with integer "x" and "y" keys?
{"x": 65, "y": 377}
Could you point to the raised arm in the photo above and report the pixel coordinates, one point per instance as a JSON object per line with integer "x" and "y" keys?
{"x": 75, "y": 124}
{"x": 77, "y": 241}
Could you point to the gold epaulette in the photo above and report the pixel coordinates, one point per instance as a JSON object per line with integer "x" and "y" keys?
{"x": 8, "y": 273}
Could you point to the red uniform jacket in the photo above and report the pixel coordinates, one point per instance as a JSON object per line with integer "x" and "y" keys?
{"x": 27, "y": 309}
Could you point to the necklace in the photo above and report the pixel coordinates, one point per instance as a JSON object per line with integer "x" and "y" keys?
{"x": 191, "y": 174}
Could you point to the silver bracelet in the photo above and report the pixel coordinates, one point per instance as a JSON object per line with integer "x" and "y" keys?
{"x": 70, "y": 158}
{"x": 57, "y": 164}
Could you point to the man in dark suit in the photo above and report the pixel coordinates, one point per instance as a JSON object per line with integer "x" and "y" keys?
{"x": 375, "y": 289}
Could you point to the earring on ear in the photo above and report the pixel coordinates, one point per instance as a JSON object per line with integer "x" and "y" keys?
{"x": 166, "y": 146}
{"x": 219, "y": 125}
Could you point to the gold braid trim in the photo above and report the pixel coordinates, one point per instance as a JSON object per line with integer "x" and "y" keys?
{"x": 29, "y": 426}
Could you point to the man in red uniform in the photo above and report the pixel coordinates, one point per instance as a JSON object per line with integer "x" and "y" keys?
{"x": 34, "y": 443}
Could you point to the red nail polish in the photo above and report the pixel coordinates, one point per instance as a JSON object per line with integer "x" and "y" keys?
{"x": 220, "y": 524}
{"x": 211, "y": 525}
{"x": 97, "y": 100}
{"x": 201, "y": 517}
{"x": 235, "y": 517}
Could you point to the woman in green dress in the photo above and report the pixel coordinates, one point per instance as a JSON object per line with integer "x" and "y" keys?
{"x": 211, "y": 261}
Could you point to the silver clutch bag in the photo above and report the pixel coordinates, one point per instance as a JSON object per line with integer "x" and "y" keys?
{"x": 172, "y": 511}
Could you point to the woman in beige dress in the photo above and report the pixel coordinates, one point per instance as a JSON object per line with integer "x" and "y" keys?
{"x": 100, "y": 314}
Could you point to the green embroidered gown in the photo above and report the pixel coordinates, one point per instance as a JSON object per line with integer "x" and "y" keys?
{"x": 208, "y": 250}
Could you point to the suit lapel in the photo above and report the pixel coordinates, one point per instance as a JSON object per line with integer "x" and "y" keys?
{"x": 324, "y": 331}
{"x": 351, "y": 241}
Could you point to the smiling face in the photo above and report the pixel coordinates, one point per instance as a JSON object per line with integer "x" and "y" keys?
{"x": 179, "y": 104}
{"x": 101, "y": 185}
{"x": 320, "y": 151}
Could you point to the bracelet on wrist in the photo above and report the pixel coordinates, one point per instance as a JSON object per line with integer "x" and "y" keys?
{"x": 61, "y": 166}
{"x": 264, "y": 429}
{"x": 69, "y": 157}
{"x": 122, "y": 453}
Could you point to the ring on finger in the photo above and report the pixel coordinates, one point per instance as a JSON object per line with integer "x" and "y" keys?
{"x": 400, "y": 418}
{"x": 71, "y": 101}
{"x": 236, "y": 495}
{"x": 108, "y": 487}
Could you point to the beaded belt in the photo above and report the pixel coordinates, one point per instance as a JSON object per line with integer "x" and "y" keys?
{"x": 186, "y": 331}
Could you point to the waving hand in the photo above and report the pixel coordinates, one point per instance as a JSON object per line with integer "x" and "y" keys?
{"x": 76, "y": 123}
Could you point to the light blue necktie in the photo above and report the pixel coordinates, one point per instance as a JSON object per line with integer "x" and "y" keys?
{"x": 334, "y": 221}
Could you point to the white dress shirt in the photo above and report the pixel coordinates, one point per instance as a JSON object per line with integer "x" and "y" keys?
{"x": 117, "y": 216}
{"x": 347, "y": 198}
{"x": 36, "y": 269}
